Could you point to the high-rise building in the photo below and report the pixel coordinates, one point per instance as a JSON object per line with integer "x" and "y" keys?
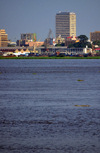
{"x": 95, "y": 35}
{"x": 3, "y": 38}
{"x": 65, "y": 24}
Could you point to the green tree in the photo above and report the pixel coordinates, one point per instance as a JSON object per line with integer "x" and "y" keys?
{"x": 82, "y": 44}
{"x": 62, "y": 44}
{"x": 97, "y": 42}
{"x": 83, "y": 38}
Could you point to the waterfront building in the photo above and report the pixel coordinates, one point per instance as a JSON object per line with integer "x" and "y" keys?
{"x": 52, "y": 50}
{"x": 65, "y": 24}
{"x": 94, "y": 36}
{"x": 17, "y": 51}
{"x": 3, "y": 38}
{"x": 64, "y": 50}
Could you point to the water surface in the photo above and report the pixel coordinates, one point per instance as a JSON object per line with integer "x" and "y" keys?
{"x": 38, "y": 111}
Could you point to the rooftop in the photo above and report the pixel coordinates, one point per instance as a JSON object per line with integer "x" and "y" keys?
{"x": 65, "y": 13}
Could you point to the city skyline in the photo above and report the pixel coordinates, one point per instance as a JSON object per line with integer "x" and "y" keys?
{"x": 38, "y": 17}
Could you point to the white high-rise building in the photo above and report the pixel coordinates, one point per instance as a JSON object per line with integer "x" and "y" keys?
{"x": 65, "y": 24}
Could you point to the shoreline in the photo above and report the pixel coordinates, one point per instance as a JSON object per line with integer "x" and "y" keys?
{"x": 53, "y": 57}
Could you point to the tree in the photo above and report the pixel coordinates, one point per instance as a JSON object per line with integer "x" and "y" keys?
{"x": 83, "y": 38}
{"x": 82, "y": 44}
{"x": 62, "y": 44}
{"x": 97, "y": 42}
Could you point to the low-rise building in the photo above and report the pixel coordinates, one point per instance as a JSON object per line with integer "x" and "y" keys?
{"x": 70, "y": 40}
{"x": 59, "y": 40}
{"x": 64, "y": 50}
{"x": 31, "y": 44}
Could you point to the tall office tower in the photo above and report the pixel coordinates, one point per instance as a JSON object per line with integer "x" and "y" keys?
{"x": 65, "y": 24}
{"x": 3, "y": 38}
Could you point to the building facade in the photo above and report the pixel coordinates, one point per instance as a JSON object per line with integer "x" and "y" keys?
{"x": 32, "y": 44}
{"x": 59, "y": 40}
{"x": 65, "y": 24}
{"x": 95, "y": 36}
{"x": 3, "y": 38}
{"x": 64, "y": 50}
{"x": 28, "y": 36}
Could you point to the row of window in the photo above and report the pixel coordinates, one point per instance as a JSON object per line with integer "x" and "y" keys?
{"x": 62, "y": 28}
{"x": 75, "y": 50}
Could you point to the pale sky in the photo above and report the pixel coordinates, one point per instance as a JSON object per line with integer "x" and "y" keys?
{"x": 38, "y": 16}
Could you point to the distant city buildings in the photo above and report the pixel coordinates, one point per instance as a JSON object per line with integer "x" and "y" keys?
{"x": 65, "y": 24}
{"x": 94, "y": 36}
{"x": 36, "y": 44}
{"x": 71, "y": 40}
{"x": 3, "y": 38}
{"x": 59, "y": 40}
{"x": 28, "y": 36}
{"x": 29, "y": 40}
{"x": 66, "y": 42}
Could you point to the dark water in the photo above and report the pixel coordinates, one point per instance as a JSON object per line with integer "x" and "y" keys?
{"x": 37, "y": 106}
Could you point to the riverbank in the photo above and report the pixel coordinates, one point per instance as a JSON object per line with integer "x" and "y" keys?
{"x": 53, "y": 57}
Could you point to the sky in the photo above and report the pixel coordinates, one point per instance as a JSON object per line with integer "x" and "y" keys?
{"x": 38, "y": 16}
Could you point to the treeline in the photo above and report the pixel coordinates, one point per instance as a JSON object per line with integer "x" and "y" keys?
{"x": 83, "y": 42}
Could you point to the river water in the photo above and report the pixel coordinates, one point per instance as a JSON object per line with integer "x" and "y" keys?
{"x": 50, "y": 106}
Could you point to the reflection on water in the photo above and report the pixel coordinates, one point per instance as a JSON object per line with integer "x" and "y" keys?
{"x": 45, "y": 109}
